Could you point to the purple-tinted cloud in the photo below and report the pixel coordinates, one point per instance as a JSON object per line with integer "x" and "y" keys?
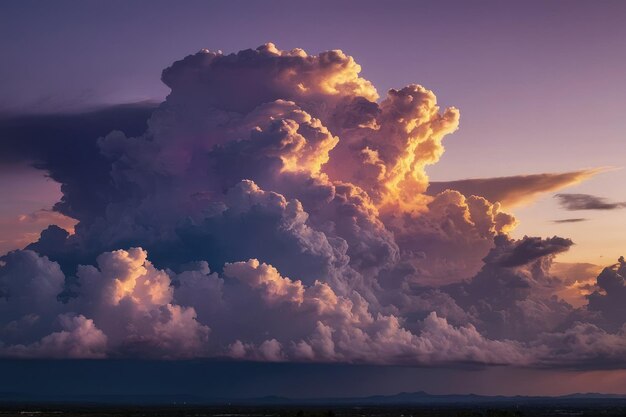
{"x": 587, "y": 202}
{"x": 274, "y": 210}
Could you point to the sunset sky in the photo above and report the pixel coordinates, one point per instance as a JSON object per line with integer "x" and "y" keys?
{"x": 419, "y": 192}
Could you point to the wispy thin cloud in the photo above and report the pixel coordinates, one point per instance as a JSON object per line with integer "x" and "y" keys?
{"x": 576, "y": 220}
{"x": 516, "y": 190}
{"x": 587, "y": 202}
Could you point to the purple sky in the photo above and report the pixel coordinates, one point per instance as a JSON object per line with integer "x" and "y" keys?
{"x": 539, "y": 85}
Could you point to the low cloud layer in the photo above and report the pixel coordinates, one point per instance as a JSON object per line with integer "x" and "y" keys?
{"x": 275, "y": 208}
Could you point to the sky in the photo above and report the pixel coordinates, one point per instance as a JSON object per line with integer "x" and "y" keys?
{"x": 467, "y": 219}
{"x": 553, "y": 69}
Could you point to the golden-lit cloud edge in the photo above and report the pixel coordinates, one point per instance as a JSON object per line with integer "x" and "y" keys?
{"x": 516, "y": 190}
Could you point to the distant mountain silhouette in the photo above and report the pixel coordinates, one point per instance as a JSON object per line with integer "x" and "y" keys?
{"x": 403, "y": 398}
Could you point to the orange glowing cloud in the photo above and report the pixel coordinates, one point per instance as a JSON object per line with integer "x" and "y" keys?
{"x": 515, "y": 190}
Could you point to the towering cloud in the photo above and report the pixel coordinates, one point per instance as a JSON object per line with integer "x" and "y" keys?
{"x": 275, "y": 209}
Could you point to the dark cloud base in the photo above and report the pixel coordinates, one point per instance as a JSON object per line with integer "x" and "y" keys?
{"x": 125, "y": 380}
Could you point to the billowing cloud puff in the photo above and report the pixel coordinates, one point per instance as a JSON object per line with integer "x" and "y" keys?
{"x": 582, "y": 344}
{"x": 388, "y": 153}
{"x": 274, "y": 288}
{"x": 125, "y": 305}
{"x": 272, "y": 208}
{"x": 343, "y": 329}
{"x": 513, "y": 295}
{"x": 239, "y": 82}
{"x": 127, "y": 289}
{"x": 448, "y": 241}
{"x": 79, "y": 338}
{"x": 529, "y": 249}
{"x": 608, "y": 298}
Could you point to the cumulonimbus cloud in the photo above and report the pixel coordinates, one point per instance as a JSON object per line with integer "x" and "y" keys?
{"x": 274, "y": 208}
